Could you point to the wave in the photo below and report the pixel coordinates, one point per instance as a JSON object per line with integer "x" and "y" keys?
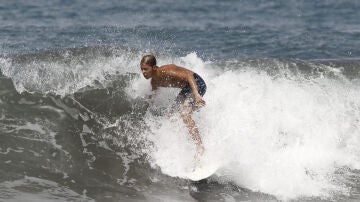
{"x": 287, "y": 128}
{"x": 284, "y": 127}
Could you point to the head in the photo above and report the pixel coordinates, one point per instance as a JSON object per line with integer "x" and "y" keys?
{"x": 148, "y": 65}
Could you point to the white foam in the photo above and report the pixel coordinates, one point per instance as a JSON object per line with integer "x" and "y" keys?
{"x": 284, "y": 136}
{"x": 68, "y": 75}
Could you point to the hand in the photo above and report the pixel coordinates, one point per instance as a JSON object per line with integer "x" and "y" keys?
{"x": 199, "y": 100}
{"x": 150, "y": 99}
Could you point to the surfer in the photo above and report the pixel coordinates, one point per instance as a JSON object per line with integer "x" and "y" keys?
{"x": 192, "y": 88}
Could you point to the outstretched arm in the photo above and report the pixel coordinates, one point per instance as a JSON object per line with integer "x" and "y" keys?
{"x": 186, "y": 75}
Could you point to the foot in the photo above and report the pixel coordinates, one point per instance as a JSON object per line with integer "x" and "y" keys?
{"x": 200, "y": 150}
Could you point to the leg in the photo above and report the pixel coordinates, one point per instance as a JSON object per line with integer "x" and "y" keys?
{"x": 193, "y": 130}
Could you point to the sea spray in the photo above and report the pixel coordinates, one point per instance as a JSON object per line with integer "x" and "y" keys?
{"x": 64, "y": 72}
{"x": 285, "y": 135}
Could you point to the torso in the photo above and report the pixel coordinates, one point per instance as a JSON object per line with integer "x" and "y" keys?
{"x": 170, "y": 82}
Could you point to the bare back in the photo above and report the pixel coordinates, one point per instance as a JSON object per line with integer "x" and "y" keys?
{"x": 171, "y": 76}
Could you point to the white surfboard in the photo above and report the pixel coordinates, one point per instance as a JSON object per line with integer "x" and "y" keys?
{"x": 201, "y": 172}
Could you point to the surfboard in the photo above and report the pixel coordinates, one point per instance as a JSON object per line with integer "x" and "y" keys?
{"x": 201, "y": 172}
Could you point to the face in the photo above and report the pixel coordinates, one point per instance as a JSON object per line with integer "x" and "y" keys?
{"x": 146, "y": 70}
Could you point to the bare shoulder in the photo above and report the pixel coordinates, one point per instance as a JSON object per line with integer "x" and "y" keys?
{"x": 172, "y": 68}
{"x": 168, "y": 67}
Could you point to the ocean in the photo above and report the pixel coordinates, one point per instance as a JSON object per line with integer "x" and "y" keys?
{"x": 281, "y": 123}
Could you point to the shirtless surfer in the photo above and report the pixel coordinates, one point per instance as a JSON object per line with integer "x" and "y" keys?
{"x": 192, "y": 88}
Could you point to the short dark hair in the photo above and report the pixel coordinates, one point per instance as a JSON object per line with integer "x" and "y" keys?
{"x": 149, "y": 60}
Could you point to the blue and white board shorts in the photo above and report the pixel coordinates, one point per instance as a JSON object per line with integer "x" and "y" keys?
{"x": 186, "y": 92}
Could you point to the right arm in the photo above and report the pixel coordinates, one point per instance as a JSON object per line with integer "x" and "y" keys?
{"x": 153, "y": 89}
{"x": 153, "y": 85}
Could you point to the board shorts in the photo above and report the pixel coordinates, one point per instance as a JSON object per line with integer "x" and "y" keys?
{"x": 186, "y": 92}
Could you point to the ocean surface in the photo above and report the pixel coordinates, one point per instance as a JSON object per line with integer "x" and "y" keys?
{"x": 282, "y": 120}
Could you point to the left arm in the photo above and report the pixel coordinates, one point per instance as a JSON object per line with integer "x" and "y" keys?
{"x": 192, "y": 83}
{"x": 186, "y": 75}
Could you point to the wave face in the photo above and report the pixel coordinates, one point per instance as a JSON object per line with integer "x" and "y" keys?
{"x": 77, "y": 121}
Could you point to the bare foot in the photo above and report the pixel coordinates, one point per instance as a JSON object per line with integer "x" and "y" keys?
{"x": 200, "y": 150}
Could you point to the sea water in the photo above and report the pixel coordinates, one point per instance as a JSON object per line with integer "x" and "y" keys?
{"x": 281, "y": 120}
